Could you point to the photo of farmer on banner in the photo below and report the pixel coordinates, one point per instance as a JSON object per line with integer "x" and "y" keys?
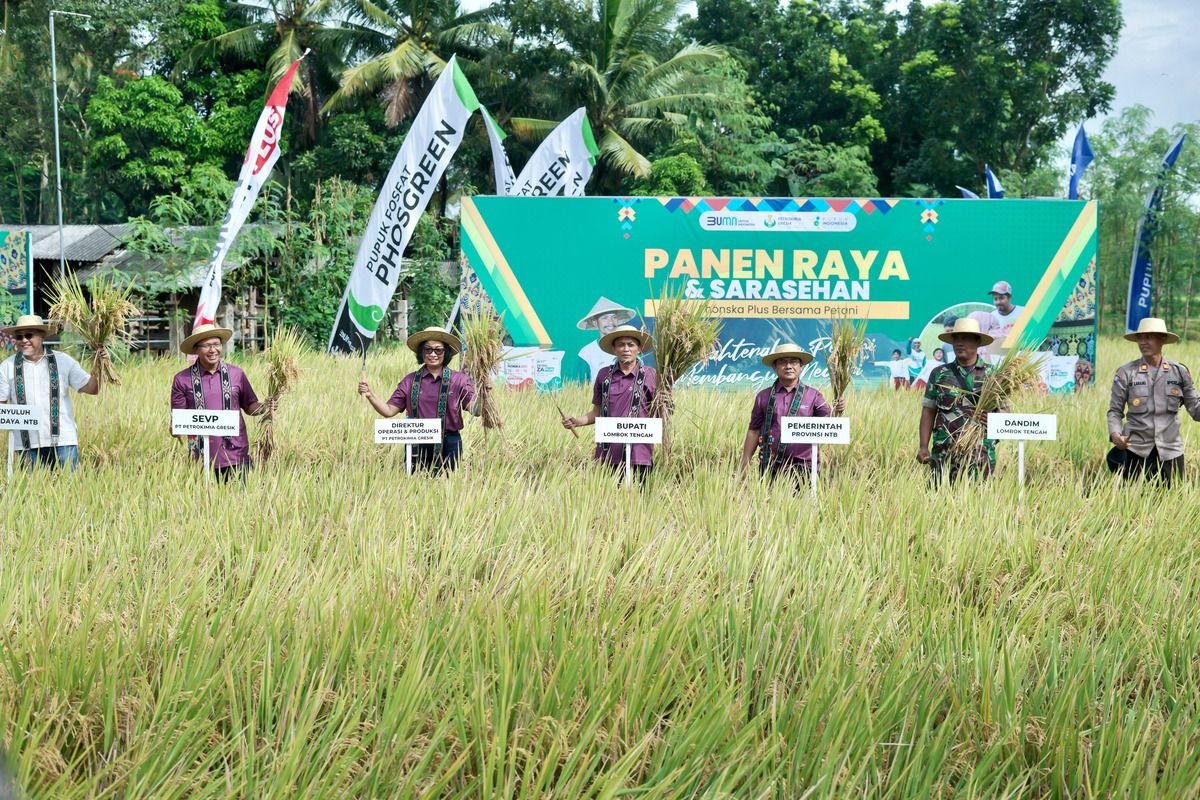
{"x": 604, "y": 318}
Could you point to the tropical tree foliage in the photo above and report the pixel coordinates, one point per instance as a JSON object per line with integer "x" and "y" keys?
{"x": 407, "y": 44}
{"x": 852, "y": 97}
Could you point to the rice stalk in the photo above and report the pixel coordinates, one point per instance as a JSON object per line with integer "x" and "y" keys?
{"x": 482, "y": 335}
{"x": 1017, "y": 372}
{"x": 282, "y": 357}
{"x": 685, "y": 333}
{"x": 98, "y": 322}
{"x": 845, "y": 354}
{"x": 353, "y": 635}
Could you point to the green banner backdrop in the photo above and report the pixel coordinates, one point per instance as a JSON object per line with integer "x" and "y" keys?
{"x": 782, "y": 269}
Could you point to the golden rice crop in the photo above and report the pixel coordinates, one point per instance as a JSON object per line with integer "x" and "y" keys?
{"x": 527, "y": 627}
{"x": 845, "y": 354}
{"x": 685, "y": 332}
{"x": 100, "y": 321}
{"x": 482, "y": 335}
{"x": 281, "y": 361}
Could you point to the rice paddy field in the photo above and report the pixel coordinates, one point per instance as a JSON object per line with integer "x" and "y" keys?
{"x": 528, "y": 628}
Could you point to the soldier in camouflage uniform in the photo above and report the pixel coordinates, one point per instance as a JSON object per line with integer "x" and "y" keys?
{"x": 949, "y": 401}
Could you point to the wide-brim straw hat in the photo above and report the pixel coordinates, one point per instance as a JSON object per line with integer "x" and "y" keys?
{"x": 969, "y": 326}
{"x": 606, "y": 341}
{"x": 202, "y": 332}
{"x": 787, "y": 350}
{"x": 31, "y": 322}
{"x": 603, "y": 306}
{"x": 1153, "y": 325}
{"x": 434, "y": 334}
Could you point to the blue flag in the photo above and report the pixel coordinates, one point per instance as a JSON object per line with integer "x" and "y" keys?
{"x": 1141, "y": 270}
{"x": 994, "y": 189}
{"x": 1081, "y": 156}
{"x": 966, "y": 193}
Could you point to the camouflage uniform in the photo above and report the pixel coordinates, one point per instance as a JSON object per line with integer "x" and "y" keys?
{"x": 952, "y": 391}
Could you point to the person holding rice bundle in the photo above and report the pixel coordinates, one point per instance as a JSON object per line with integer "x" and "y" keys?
{"x": 949, "y": 403}
{"x": 1143, "y": 412}
{"x": 434, "y": 391}
{"x": 786, "y": 397}
{"x": 39, "y": 376}
{"x": 215, "y": 384}
{"x": 622, "y": 389}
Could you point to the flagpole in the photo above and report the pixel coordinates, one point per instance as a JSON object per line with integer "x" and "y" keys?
{"x": 62, "y": 247}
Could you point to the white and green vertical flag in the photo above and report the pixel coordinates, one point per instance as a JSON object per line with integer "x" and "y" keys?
{"x": 582, "y": 152}
{"x": 500, "y": 163}
{"x": 550, "y": 167}
{"x": 434, "y": 137}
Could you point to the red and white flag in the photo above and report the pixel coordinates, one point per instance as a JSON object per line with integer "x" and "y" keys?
{"x": 261, "y": 156}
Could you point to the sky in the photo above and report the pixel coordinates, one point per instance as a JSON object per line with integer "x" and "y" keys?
{"x": 1155, "y": 61}
{"x": 1154, "y": 65}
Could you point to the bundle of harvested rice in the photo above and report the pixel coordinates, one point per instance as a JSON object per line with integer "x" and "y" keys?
{"x": 482, "y": 335}
{"x": 100, "y": 322}
{"x": 685, "y": 333}
{"x": 845, "y": 353}
{"x": 1017, "y": 372}
{"x": 287, "y": 345}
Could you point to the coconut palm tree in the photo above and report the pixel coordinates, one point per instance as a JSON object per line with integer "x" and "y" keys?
{"x": 408, "y": 43}
{"x": 637, "y": 92}
{"x": 292, "y": 26}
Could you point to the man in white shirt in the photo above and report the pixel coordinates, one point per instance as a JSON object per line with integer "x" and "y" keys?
{"x": 1002, "y": 320}
{"x": 604, "y": 318}
{"x": 39, "y": 377}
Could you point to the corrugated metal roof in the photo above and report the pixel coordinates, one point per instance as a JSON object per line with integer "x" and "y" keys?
{"x": 81, "y": 243}
{"x": 93, "y": 248}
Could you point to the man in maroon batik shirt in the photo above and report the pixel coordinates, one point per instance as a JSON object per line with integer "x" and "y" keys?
{"x": 622, "y": 389}
{"x": 214, "y": 384}
{"x": 786, "y": 397}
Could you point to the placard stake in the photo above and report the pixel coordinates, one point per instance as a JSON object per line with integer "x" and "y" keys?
{"x": 816, "y": 449}
{"x": 10, "y": 454}
{"x": 1021, "y": 467}
{"x": 628, "y": 466}
{"x": 207, "y": 462}
{"x": 408, "y": 459}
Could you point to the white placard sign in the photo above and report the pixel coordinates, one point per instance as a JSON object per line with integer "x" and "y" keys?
{"x": 408, "y": 431}
{"x": 629, "y": 430}
{"x": 814, "y": 430}
{"x": 18, "y": 418}
{"x": 1023, "y": 427}
{"x": 205, "y": 422}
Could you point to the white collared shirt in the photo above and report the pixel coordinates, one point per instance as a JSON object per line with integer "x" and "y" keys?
{"x": 37, "y": 394}
{"x": 596, "y": 358}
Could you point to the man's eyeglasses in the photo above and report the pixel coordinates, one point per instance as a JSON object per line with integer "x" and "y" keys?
{"x": 21, "y": 337}
{"x": 436, "y": 351}
{"x": 214, "y": 346}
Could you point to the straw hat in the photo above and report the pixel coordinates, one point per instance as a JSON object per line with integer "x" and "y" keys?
{"x": 202, "y": 332}
{"x": 606, "y": 341}
{"x": 436, "y": 334}
{"x": 31, "y": 322}
{"x": 966, "y": 325}
{"x": 787, "y": 350}
{"x": 1147, "y": 325}
{"x": 604, "y": 306}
